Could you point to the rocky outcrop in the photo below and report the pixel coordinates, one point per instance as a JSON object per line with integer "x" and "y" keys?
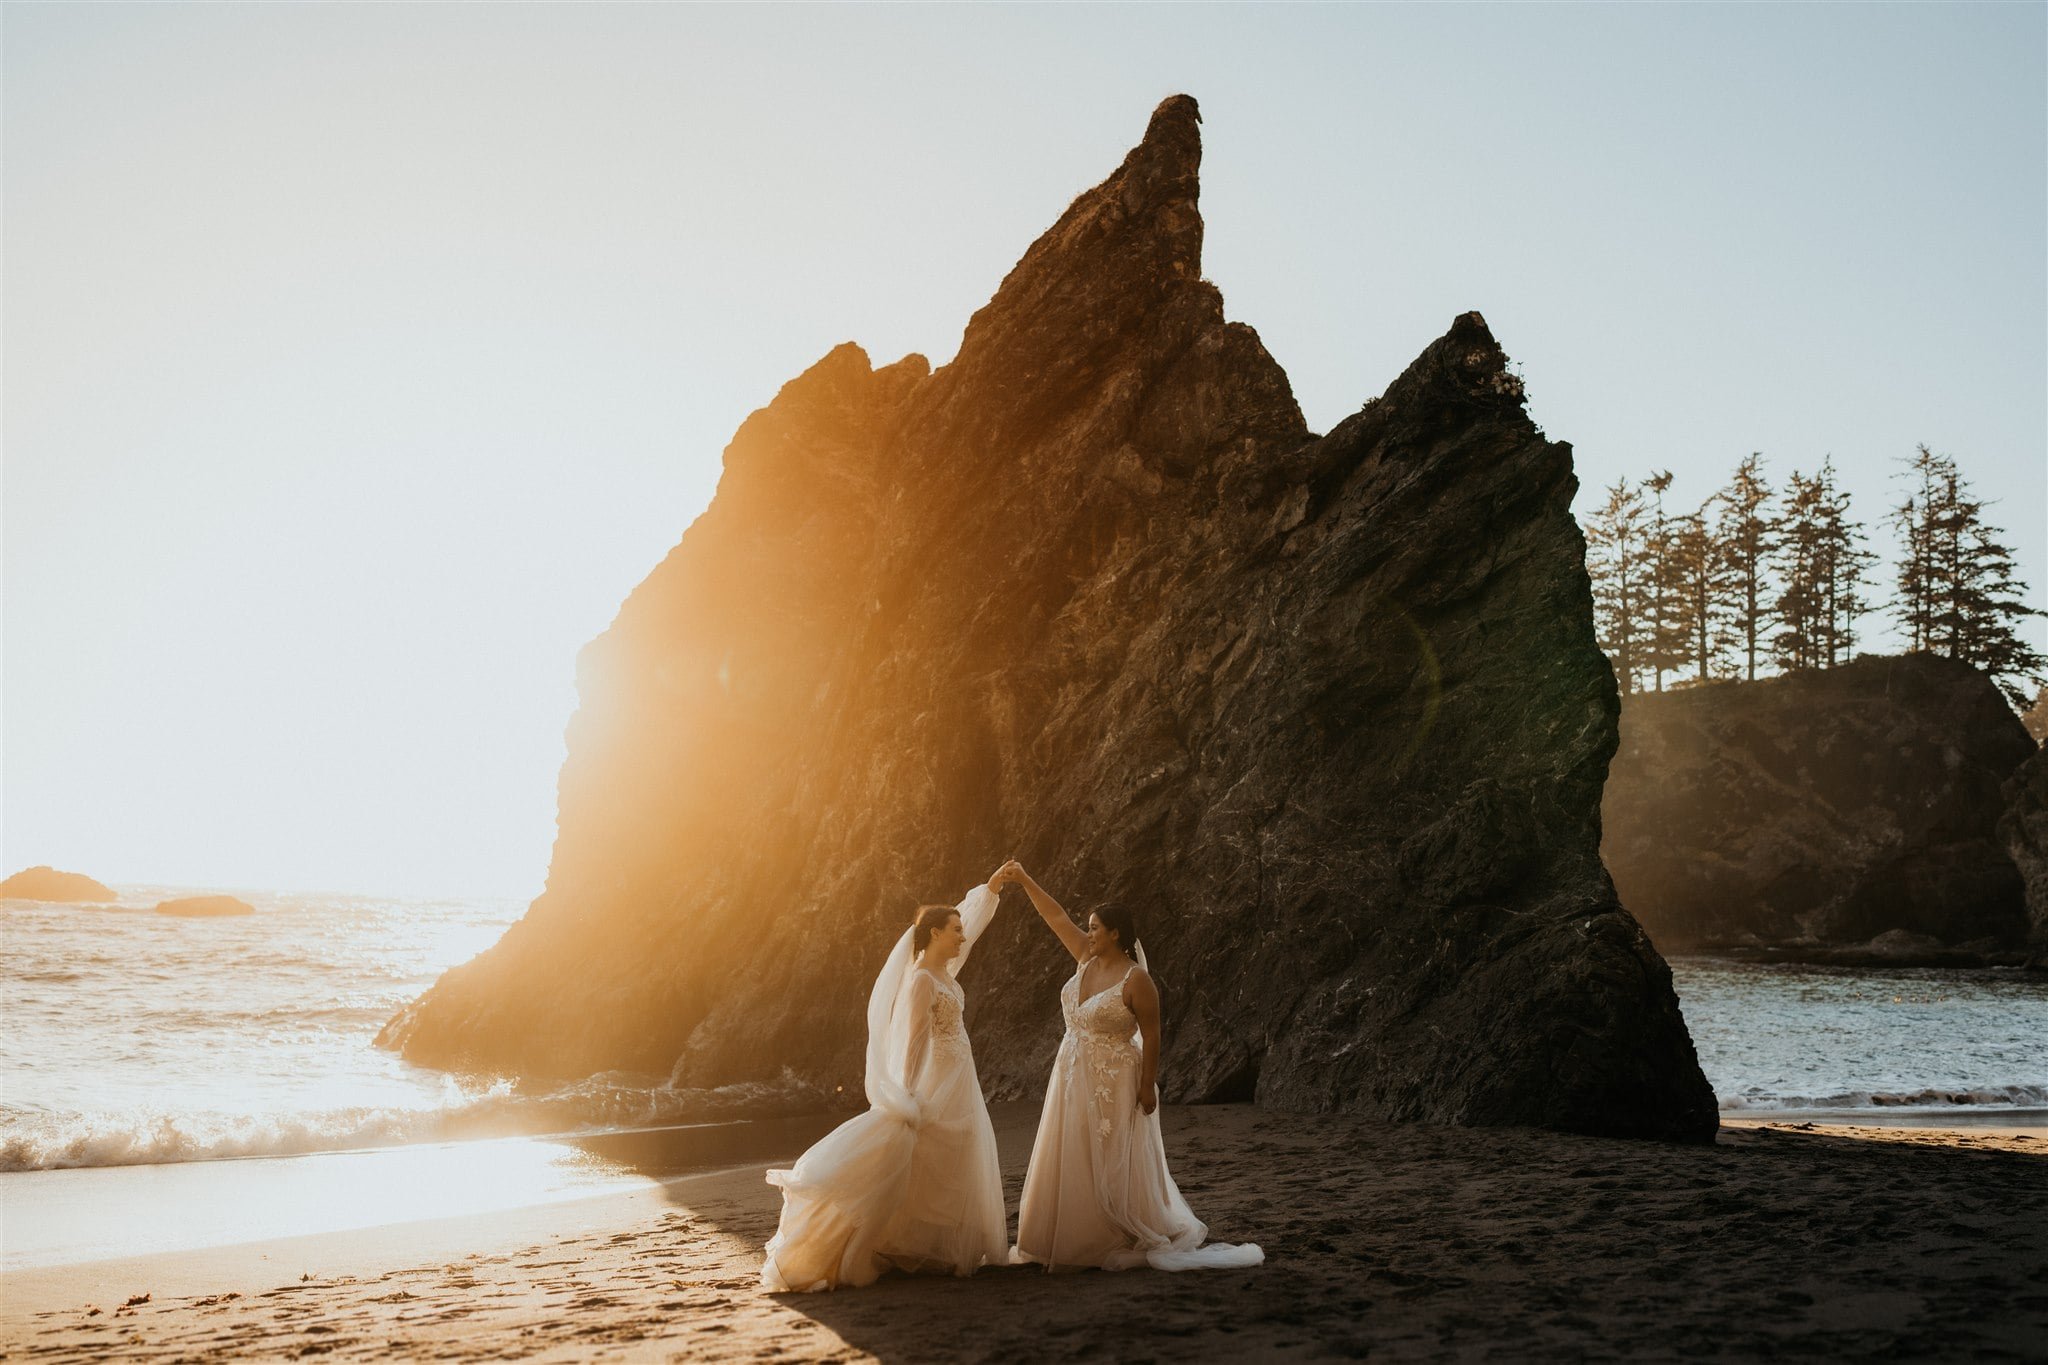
{"x": 2024, "y": 831}
{"x": 2036, "y": 717}
{"x": 45, "y": 883}
{"x": 1328, "y": 710}
{"x": 1818, "y": 811}
{"x": 204, "y": 907}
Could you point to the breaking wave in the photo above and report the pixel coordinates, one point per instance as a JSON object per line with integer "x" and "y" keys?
{"x": 1996, "y": 1096}
{"x": 604, "y": 1103}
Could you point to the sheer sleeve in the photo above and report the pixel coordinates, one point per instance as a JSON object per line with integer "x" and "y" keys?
{"x": 887, "y": 1025}
{"x": 976, "y": 911}
{"x": 892, "y": 1016}
{"x": 917, "y": 1007}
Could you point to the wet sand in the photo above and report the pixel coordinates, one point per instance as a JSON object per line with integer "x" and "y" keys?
{"x": 1391, "y": 1242}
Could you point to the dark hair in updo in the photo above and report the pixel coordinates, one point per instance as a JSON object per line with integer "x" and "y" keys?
{"x": 930, "y": 919}
{"x": 1120, "y": 920}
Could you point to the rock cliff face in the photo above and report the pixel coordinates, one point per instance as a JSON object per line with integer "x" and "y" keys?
{"x": 1820, "y": 810}
{"x": 1328, "y": 712}
{"x": 2024, "y": 830}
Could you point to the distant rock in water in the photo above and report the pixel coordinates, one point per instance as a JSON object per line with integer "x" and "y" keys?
{"x": 44, "y": 883}
{"x": 1819, "y": 811}
{"x": 2024, "y": 830}
{"x": 1327, "y": 711}
{"x": 205, "y": 907}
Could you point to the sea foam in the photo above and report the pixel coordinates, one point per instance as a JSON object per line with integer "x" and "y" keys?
{"x": 607, "y": 1103}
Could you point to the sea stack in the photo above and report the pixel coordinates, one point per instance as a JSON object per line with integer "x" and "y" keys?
{"x": 1822, "y": 810}
{"x": 2023, "y": 829}
{"x": 1327, "y": 711}
{"x": 46, "y": 883}
{"x": 205, "y": 907}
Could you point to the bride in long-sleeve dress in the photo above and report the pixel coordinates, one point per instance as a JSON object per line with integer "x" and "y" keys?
{"x": 913, "y": 1182}
{"x": 1098, "y": 1192}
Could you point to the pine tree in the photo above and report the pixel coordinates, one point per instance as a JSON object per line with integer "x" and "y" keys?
{"x": 1665, "y": 637}
{"x": 1701, "y": 586}
{"x": 1821, "y": 565}
{"x": 1801, "y": 605}
{"x": 1616, "y": 561}
{"x": 1845, "y": 567}
{"x": 1990, "y": 604}
{"x": 1959, "y": 594}
{"x": 1915, "y": 521}
{"x": 1747, "y": 534}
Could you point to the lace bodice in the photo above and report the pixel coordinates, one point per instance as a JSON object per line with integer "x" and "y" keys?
{"x": 1103, "y": 1014}
{"x": 949, "y": 1029}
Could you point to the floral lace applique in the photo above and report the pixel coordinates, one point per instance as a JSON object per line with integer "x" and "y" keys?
{"x": 1099, "y": 1030}
{"x": 949, "y": 1028}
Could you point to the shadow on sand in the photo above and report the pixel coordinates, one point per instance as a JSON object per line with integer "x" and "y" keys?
{"x": 1400, "y": 1241}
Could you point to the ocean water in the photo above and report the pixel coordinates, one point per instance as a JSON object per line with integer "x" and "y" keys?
{"x": 132, "y": 1038}
{"x": 1879, "y": 1042}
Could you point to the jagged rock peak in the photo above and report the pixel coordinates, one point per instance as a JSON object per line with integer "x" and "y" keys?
{"x": 1110, "y": 263}
{"x": 843, "y": 379}
{"x": 1330, "y": 712}
{"x": 1465, "y": 364}
{"x": 1164, "y": 171}
{"x": 1153, "y": 195}
{"x": 847, "y": 366}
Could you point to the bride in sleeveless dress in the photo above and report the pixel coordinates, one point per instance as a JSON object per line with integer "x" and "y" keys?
{"x": 1098, "y": 1192}
{"x": 913, "y": 1182}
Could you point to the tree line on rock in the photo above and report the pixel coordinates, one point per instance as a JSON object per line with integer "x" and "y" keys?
{"x": 1756, "y": 579}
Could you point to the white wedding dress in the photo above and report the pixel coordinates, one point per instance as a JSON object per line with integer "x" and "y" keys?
{"x": 1097, "y": 1192}
{"x": 913, "y": 1182}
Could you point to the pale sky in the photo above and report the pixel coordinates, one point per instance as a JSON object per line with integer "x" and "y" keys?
{"x": 358, "y": 360}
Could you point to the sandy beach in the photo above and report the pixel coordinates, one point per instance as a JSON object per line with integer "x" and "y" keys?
{"x": 1383, "y": 1241}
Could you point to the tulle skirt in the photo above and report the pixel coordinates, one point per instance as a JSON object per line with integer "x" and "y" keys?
{"x": 1098, "y": 1192}
{"x": 880, "y": 1192}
